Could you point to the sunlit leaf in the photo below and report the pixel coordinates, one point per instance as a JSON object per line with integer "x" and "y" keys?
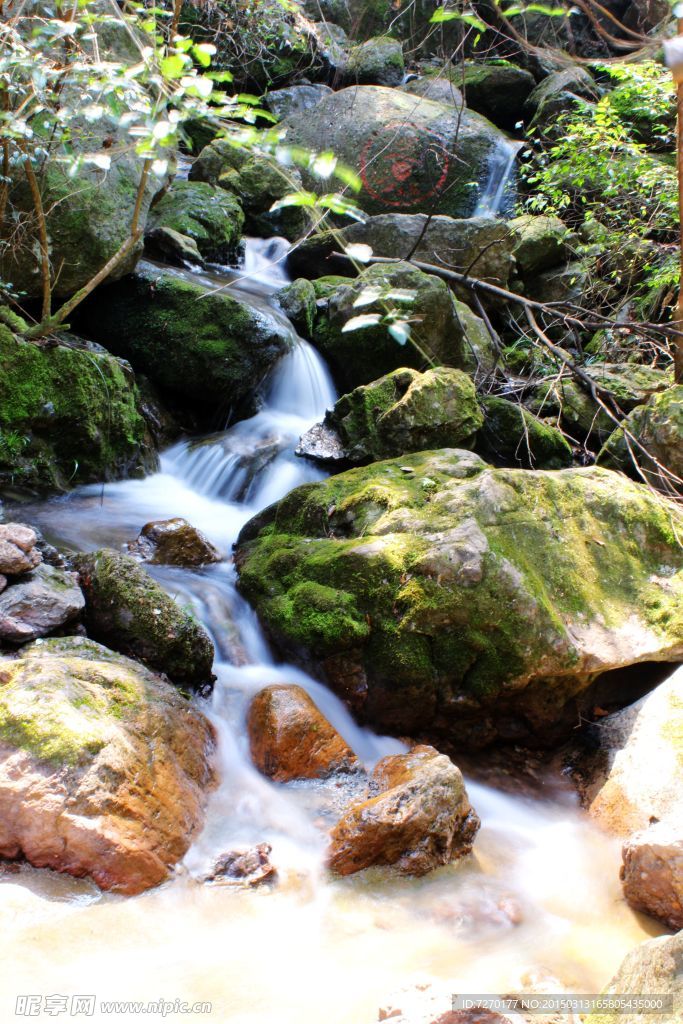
{"x": 357, "y": 323}
{"x": 358, "y": 251}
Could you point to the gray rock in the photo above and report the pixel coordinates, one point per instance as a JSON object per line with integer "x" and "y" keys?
{"x": 39, "y": 603}
{"x": 434, "y": 87}
{"x": 411, "y": 154}
{"x": 296, "y": 99}
{"x": 377, "y": 61}
{"x": 321, "y": 443}
{"x": 498, "y": 91}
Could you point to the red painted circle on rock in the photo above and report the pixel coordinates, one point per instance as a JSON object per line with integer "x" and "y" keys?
{"x": 403, "y": 165}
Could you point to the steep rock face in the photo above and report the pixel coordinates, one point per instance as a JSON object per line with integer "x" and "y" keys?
{"x": 417, "y": 818}
{"x": 104, "y": 767}
{"x": 436, "y": 593}
{"x": 413, "y": 155}
{"x": 128, "y": 610}
{"x": 68, "y": 415}
{"x": 207, "y": 353}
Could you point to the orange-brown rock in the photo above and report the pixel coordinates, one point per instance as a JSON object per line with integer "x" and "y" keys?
{"x": 420, "y": 818}
{"x": 652, "y": 872}
{"x": 104, "y": 766}
{"x": 291, "y": 739}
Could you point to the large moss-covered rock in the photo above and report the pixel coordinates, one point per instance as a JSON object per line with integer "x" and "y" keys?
{"x": 658, "y": 427}
{"x": 407, "y": 411}
{"x": 512, "y": 436}
{"x": 258, "y": 181}
{"x": 363, "y": 354}
{"x": 377, "y": 61}
{"x": 68, "y": 415}
{"x": 210, "y": 216}
{"x": 104, "y": 767}
{"x": 446, "y": 596}
{"x": 540, "y": 243}
{"x": 413, "y": 155}
{"x": 127, "y": 610}
{"x": 206, "y": 353}
{"x": 497, "y": 90}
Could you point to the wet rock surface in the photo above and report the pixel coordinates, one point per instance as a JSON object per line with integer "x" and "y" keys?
{"x": 249, "y": 867}
{"x": 419, "y": 819}
{"x": 104, "y": 766}
{"x": 291, "y": 739}
{"x": 174, "y": 542}
{"x": 129, "y": 612}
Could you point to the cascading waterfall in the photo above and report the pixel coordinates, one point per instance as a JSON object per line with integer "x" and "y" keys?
{"x": 496, "y": 192}
{"x": 540, "y": 889}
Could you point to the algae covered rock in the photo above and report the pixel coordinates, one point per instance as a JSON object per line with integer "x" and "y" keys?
{"x": 104, "y": 767}
{"x": 206, "y": 352}
{"x": 68, "y": 415}
{"x": 127, "y": 610}
{"x": 513, "y": 436}
{"x": 658, "y": 427}
{"x": 363, "y": 354}
{"x": 540, "y": 243}
{"x": 208, "y": 215}
{"x": 289, "y": 738}
{"x": 413, "y": 155}
{"x": 377, "y": 61}
{"x": 418, "y": 817}
{"x": 479, "y": 603}
{"x": 407, "y": 411}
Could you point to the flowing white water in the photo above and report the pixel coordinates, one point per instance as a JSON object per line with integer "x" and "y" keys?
{"x": 496, "y": 193}
{"x": 540, "y": 892}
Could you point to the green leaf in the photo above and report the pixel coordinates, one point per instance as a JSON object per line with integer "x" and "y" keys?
{"x": 358, "y": 323}
{"x": 367, "y": 296}
{"x": 400, "y": 331}
{"x": 295, "y": 199}
{"x": 203, "y": 52}
{"x": 173, "y": 66}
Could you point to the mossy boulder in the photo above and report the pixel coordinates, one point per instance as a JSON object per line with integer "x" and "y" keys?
{"x": 104, "y": 767}
{"x": 658, "y": 427}
{"x": 297, "y": 301}
{"x": 407, "y": 411}
{"x": 512, "y": 436}
{"x": 540, "y": 243}
{"x": 127, "y": 610}
{"x": 377, "y": 61}
{"x": 412, "y": 155}
{"x": 210, "y": 216}
{"x": 207, "y": 353}
{"x": 498, "y": 90}
{"x": 445, "y": 597}
{"x": 628, "y": 384}
{"x": 363, "y": 354}
{"x": 258, "y": 182}
{"x": 68, "y": 415}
